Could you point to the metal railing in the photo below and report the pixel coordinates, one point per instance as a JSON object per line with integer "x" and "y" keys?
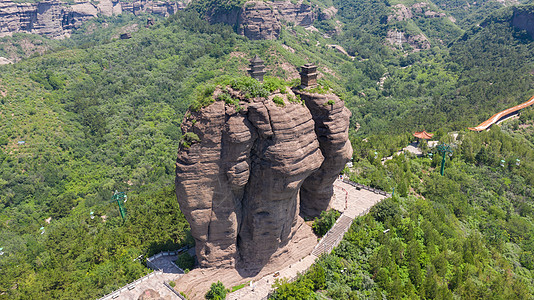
{"x": 368, "y": 188}
{"x": 174, "y": 291}
{"x": 157, "y": 271}
{"x": 115, "y": 294}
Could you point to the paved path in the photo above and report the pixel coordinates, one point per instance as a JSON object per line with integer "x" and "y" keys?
{"x": 169, "y": 272}
{"x": 502, "y": 115}
{"x": 348, "y": 199}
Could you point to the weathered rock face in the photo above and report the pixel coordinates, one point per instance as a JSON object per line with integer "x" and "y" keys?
{"x": 260, "y": 20}
{"x": 241, "y": 187}
{"x": 332, "y": 130}
{"x": 56, "y": 19}
{"x": 524, "y": 19}
{"x": 418, "y": 42}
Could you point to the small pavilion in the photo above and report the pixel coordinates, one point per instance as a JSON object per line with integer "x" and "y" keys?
{"x": 423, "y": 135}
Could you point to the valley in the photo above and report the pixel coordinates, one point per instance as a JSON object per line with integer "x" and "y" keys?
{"x": 84, "y": 113}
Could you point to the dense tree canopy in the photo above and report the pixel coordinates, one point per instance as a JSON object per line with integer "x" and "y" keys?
{"x": 97, "y": 114}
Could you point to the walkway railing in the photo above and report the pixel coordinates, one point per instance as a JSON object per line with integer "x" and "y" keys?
{"x": 173, "y": 290}
{"x": 157, "y": 271}
{"x": 164, "y": 253}
{"x": 130, "y": 286}
{"x": 368, "y": 188}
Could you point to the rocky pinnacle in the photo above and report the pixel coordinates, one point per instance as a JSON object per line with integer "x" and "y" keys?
{"x": 252, "y": 174}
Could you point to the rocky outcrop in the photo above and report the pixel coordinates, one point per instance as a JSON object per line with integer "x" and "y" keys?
{"x": 243, "y": 182}
{"x": 331, "y": 119}
{"x": 523, "y": 19}
{"x": 417, "y": 41}
{"x": 417, "y": 10}
{"x": 262, "y": 20}
{"x": 56, "y": 19}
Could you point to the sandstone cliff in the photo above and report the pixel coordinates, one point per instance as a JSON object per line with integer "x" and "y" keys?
{"x": 244, "y": 181}
{"x": 260, "y": 20}
{"x": 56, "y": 19}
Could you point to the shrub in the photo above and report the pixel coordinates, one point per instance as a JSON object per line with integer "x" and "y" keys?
{"x": 279, "y": 101}
{"x": 190, "y": 138}
{"x": 327, "y": 219}
{"x": 217, "y": 292}
{"x": 274, "y": 83}
{"x": 294, "y": 99}
{"x": 4, "y": 140}
{"x": 229, "y": 100}
{"x": 204, "y": 97}
{"x": 385, "y": 209}
{"x": 250, "y": 86}
{"x": 185, "y": 261}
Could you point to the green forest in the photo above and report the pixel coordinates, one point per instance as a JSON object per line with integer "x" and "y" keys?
{"x": 95, "y": 114}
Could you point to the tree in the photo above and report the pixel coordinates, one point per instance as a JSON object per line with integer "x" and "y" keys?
{"x": 327, "y": 219}
{"x": 185, "y": 261}
{"x": 216, "y": 292}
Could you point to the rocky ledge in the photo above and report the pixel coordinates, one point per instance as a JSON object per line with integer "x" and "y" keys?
{"x": 248, "y": 171}
{"x": 262, "y": 20}
{"x": 56, "y": 19}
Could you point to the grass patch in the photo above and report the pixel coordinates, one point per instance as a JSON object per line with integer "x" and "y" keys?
{"x": 189, "y": 139}
{"x": 279, "y": 101}
{"x": 238, "y": 287}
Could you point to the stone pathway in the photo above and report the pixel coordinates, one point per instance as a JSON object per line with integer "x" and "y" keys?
{"x": 348, "y": 199}
{"x": 351, "y": 200}
{"x": 167, "y": 272}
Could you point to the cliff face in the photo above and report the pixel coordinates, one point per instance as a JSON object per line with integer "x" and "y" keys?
{"x": 243, "y": 185}
{"x": 524, "y": 19}
{"x": 331, "y": 128}
{"x": 56, "y": 19}
{"x": 259, "y": 20}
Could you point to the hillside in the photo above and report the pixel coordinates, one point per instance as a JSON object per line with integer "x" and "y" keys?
{"x": 99, "y": 114}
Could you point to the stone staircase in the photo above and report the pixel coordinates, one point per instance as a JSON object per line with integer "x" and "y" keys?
{"x": 333, "y": 236}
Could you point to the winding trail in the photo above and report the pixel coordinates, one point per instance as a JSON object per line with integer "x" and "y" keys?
{"x": 503, "y": 115}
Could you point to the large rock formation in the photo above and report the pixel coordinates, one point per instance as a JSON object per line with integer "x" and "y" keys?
{"x": 262, "y": 20}
{"x": 56, "y": 19}
{"x": 331, "y": 119}
{"x": 523, "y": 19}
{"x": 243, "y": 176}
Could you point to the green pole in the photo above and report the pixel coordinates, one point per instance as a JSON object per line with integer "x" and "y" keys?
{"x": 443, "y": 163}
{"x": 121, "y": 210}
{"x": 117, "y": 196}
{"x": 444, "y": 149}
